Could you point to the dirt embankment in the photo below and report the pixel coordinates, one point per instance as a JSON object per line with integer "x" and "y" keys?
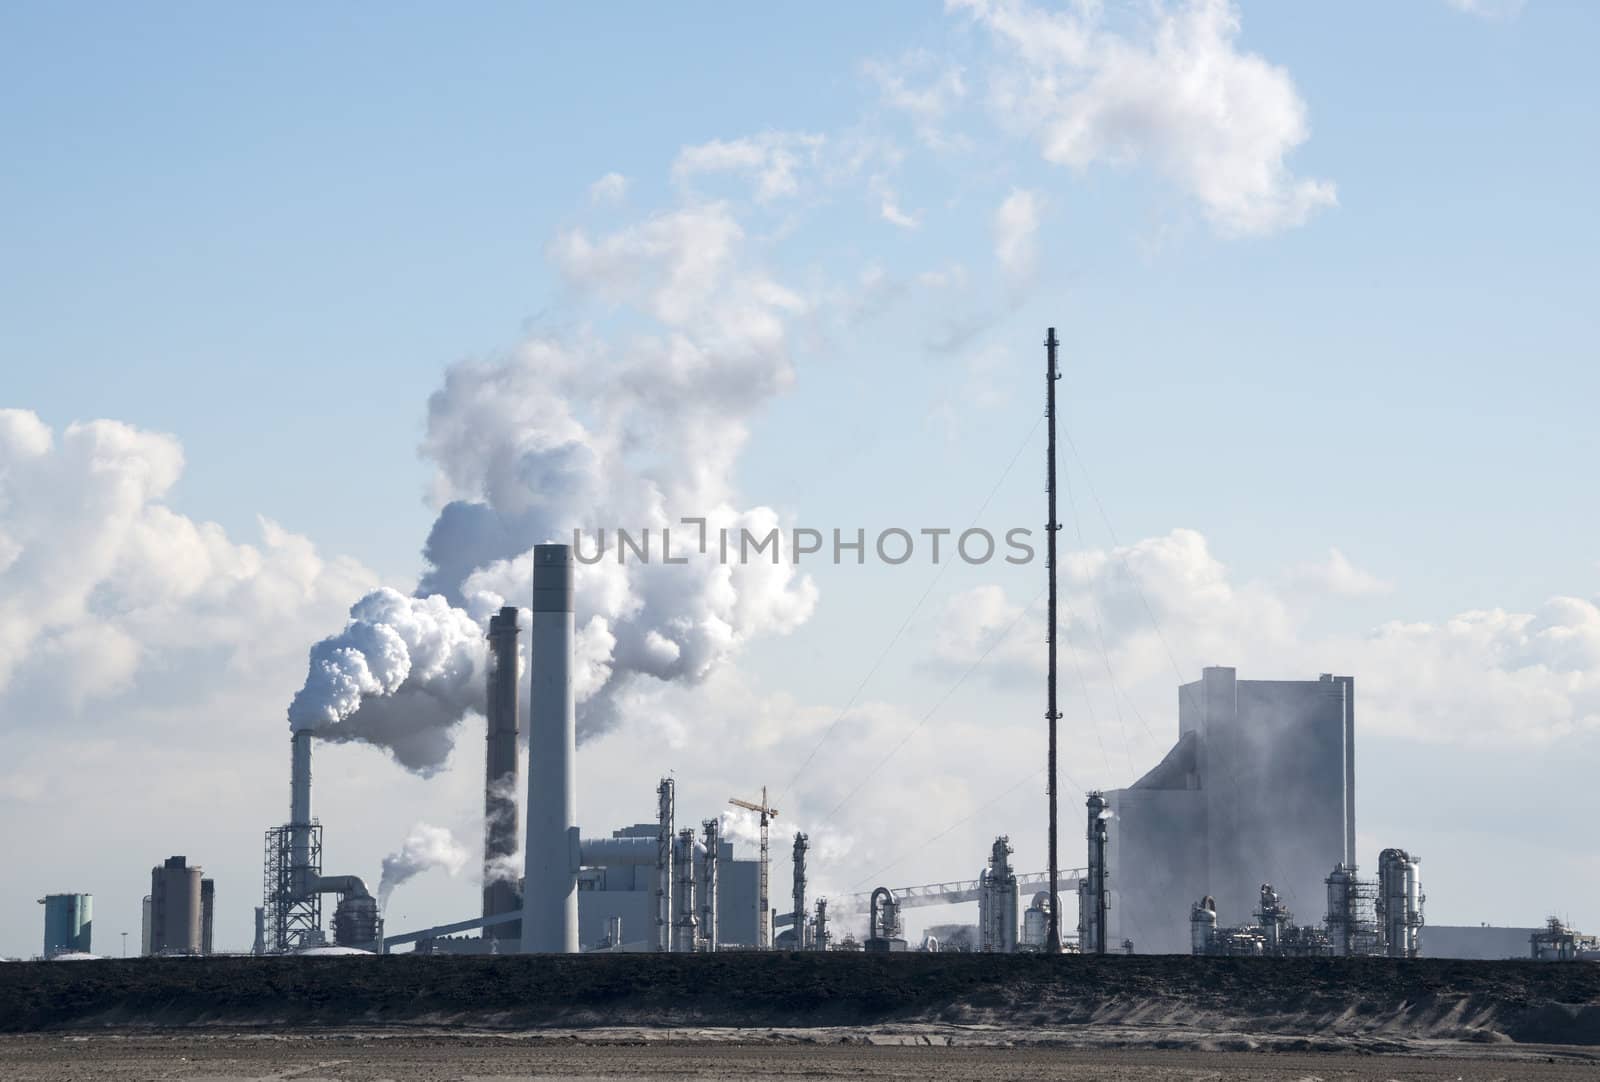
{"x": 1427, "y": 999}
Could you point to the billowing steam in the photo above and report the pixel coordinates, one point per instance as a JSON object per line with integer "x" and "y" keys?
{"x": 425, "y": 847}
{"x": 400, "y": 674}
{"x": 585, "y": 434}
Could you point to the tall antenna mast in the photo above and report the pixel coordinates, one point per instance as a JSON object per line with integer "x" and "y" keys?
{"x": 1053, "y": 941}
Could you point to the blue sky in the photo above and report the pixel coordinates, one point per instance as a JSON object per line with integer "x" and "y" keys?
{"x": 268, "y": 234}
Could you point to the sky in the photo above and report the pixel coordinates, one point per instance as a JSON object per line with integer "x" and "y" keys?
{"x": 280, "y": 288}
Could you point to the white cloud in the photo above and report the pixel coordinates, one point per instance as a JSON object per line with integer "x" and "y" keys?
{"x": 1483, "y": 677}
{"x": 889, "y": 207}
{"x": 1337, "y": 575}
{"x": 1016, "y": 225}
{"x": 1178, "y": 94}
{"x": 773, "y": 160}
{"x": 924, "y": 88}
{"x": 611, "y": 188}
{"x": 102, "y": 579}
{"x": 1490, "y": 9}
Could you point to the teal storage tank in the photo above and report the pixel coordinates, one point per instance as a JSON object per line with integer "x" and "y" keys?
{"x": 68, "y": 923}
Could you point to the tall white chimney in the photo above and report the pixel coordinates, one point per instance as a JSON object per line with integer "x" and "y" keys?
{"x": 550, "y": 889}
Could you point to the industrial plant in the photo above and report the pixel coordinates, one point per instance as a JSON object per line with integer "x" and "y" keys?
{"x": 1252, "y": 812}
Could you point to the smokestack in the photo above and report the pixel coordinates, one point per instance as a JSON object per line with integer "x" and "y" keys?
{"x": 500, "y": 775}
{"x": 550, "y": 887}
{"x": 300, "y": 813}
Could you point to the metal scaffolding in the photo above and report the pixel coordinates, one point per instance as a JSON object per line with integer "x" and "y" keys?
{"x": 290, "y": 921}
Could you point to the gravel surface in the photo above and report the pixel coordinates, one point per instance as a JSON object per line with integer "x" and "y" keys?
{"x": 304, "y": 1058}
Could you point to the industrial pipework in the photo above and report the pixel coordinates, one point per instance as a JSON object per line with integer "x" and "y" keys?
{"x": 355, "y": 919}
{"x": 550, "y": 885}
{"x": 501, "y": 773}
{"x": 883, "y": 922}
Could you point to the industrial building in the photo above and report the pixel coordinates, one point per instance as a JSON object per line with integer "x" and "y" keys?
{"x": 177, "y": 912}
{"x": 1260, "y": 783}
{"x": 68, "y": 923}
{"x": 1486, "y": 942}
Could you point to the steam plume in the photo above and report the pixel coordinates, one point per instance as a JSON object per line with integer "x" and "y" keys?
{"x": 425, "y": 847}
{"x": 585, "y": 434}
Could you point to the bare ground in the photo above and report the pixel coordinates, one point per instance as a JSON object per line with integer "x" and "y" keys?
{"x": 423, "y": 1057}
{"x": 798, "y": 1015}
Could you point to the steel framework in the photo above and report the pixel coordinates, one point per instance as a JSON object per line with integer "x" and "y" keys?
{"x": 291, "y": 922}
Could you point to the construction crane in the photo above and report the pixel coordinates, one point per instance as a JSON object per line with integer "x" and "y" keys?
{"x": 767, "y": 815}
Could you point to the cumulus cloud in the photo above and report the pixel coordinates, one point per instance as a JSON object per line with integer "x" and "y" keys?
{"x": 1337, "y": 575}
{"x": 100, "y": 580}
{"x": 1176, "y": 93}
{"x": 1487, "y": 677}
{"x": 772, "y": 161}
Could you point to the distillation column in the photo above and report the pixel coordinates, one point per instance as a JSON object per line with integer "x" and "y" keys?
{"x": 1092, "y": 891}
{"x": 801, "y": 844}
{"x": 665, "y": 799}
{"x": 708, "y": 882}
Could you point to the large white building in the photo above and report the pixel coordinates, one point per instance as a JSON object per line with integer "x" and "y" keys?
{"x": 1260, "y": 788}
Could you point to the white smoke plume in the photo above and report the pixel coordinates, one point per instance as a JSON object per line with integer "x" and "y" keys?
{"x": 506, "y": 792}
{"x": 425, "y": 847}
{"x": 575, "y": 433}
{"x": 401, "y": 674}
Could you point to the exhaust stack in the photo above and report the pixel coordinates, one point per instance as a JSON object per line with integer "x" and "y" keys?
{"x": 501, "y": 774}
{"x": 301, "y": 873}
{"x": 550, "y": 887}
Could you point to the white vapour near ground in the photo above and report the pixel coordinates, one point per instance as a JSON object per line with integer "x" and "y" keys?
{"x": 425, "y": 847}
{"x": 591, "y": 434}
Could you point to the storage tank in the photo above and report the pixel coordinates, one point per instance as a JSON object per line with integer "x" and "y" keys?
{"x": 68, "y": 923}
{"x": 1203, "y": 925}
{"x": 176, "y": 912}
{"x": 1036, "y": 922}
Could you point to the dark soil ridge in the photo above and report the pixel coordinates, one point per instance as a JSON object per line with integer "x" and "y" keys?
{"x": 1434, "y": 999}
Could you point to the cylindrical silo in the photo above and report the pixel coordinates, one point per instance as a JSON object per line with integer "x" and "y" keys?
{"x": 550, "y": 887}
{"x": 68, "y": 923}
{"x": 176, "y": 914}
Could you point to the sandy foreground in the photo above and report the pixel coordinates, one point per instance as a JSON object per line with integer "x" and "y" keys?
{"x": 741, "y": 1054}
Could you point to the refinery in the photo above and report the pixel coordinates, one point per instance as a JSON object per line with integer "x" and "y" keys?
{"x": 1239, "y": 842}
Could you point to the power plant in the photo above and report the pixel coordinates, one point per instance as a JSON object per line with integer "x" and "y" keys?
{"x": 1252, "y": 811}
